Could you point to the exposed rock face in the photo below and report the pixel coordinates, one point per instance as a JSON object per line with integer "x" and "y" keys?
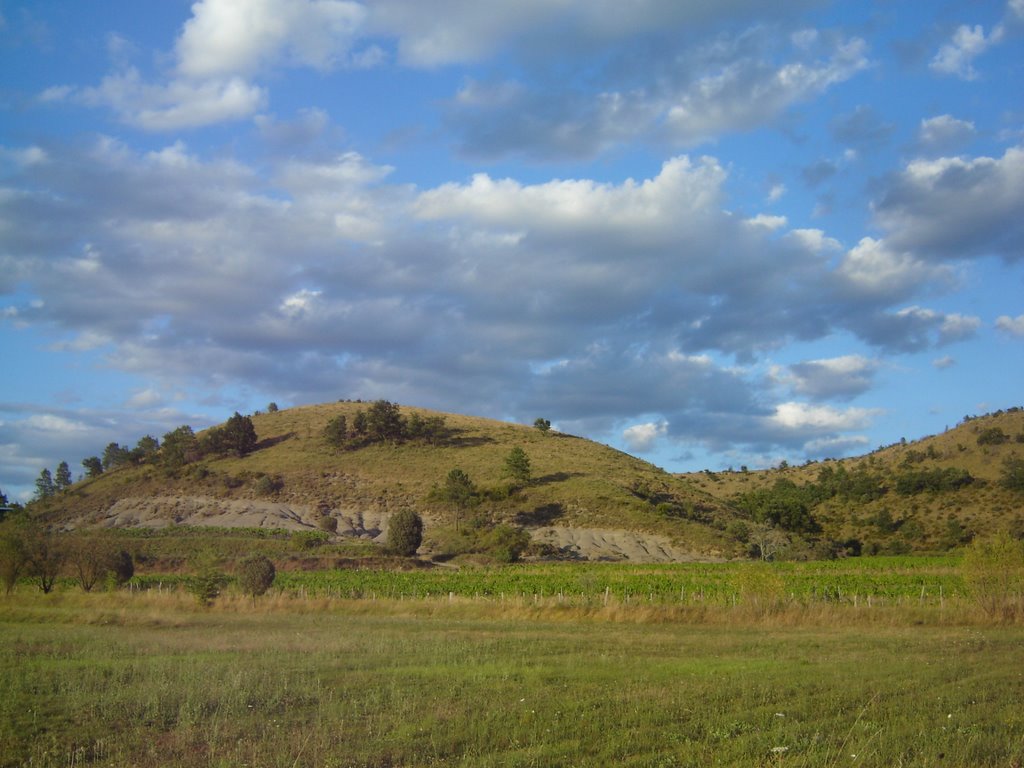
{"x": 576, "y": 543}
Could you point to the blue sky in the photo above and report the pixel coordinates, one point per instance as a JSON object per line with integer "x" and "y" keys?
{"x": 711, "y": 234}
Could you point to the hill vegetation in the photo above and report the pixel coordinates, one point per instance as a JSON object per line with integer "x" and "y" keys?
{"x": 483, "y": 486}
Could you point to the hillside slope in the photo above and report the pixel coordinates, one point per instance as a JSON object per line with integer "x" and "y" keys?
{"x": 584, "y": 499}
{"x": 931, "y": 494}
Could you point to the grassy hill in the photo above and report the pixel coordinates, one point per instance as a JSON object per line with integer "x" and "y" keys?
{"x": 930, "y": 494}
{"x": 575, "y": 482}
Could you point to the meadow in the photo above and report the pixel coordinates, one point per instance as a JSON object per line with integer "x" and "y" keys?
{"x": 587, "y": 674}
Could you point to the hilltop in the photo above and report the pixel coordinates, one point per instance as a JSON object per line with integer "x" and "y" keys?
{"x": 583, "y": 499}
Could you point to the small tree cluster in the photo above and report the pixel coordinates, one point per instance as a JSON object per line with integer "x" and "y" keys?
{"x": 383, "y": 422}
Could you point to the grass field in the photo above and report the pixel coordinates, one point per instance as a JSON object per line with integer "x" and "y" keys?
{"x": 150, "y": 679}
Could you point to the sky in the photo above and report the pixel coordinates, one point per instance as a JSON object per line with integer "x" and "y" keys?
{"x": 711, "y": 234}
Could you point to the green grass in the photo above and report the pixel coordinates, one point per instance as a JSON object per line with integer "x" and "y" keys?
{"x": 151, "y": 680}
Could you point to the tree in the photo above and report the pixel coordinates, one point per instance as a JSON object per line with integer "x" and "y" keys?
{"x": 336, "y": 431}
{"x": 517, "y": 466}
{"x": 256, "y": 575}
{"x": 44, "y": 555}
{"x": 272, "y": 408}
{"x": 239, "y": 435}
{"x": 13, "y": 549}
{"x": 542, "y": 424}
{"x": 384, "y": 421}
{"x": 115, "y": 456}
{"x": 93, "y": 466}
{"x": 45, "y": 487}
{"x": 145, "y": 450}
{"x": 208, "y": 580}
{"x": 180, "y": 447}
{"x": 91, "y": 560}
{"x": 460, "y": 492}
{"x": 62, "y": 480}
{"x": 405, "y": 532}
{"x": 993, "y": 569}
{"x": 1012, "y": 476}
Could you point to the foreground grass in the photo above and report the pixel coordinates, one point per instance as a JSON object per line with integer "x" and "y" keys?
{"x": 150, "y": 680}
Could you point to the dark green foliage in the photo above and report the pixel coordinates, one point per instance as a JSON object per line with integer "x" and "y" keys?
{"x": 207, "y": 582}
{"x": 359, "y": 423}
{"x": 405, "y": 532}
{"x": 238, "y": 435}
{"x": 122, "y": 567}
{"x": 327, "y": 524}
{"x": 505, "y": 543}
{"x": 993, "y": 436}
{"x": 272, "y": 408}
{"x": 459, "y": 492}
{"x": 542, "y": 424}
{"x": 145, "y": 450}
{"x": 1012, "y": 476}
{"x": 115, "y": 456}
{"x": 912, "y": 482}
{"x": 336, "y": 431}
{"x": 268, "y": 485}
{"x": 62, "y": 479}
{"x": 517, "y": 466}
{"x": 860, "y": 485}
{"x": 93, "y": 466}
{"x": 256, "y": 575}
{"x": 45, "y": 487}
{"x": 785, "y": 505}
{"x": 180, "y": 447}
{"x": 384, "y": 422}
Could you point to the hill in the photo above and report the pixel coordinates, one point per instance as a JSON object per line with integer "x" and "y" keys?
{"x": 583, "y": 499}
{"x": 931, "y": 494}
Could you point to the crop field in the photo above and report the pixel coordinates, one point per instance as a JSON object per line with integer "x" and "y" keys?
{"x": 854, "y": 581}
{"x": 540, "y": 665}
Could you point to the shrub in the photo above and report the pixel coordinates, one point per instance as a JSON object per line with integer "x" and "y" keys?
{"x": 327, "y": 524}
{"x": 256, "y": 575}
{"x": 267, "y": 485}
{"x": 993, "y": 569}
{"x": 207, "y": 582}
{"x": 405, "y": 532}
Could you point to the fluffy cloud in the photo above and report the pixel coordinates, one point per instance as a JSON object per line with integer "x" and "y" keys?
{"x": 226, "y": 38}
{"x": 944, "y": 131}
{"x": 177, "y": 104}
{"x": 603, "y": 303}
{"x": 1011, "y": 325}
{"x": 842, "y": 377}
{"x": 957, "y": 56}
{"x": 641, "y": 438}
{"x": 735, "y": 84}
{"x": 955, "y": 208}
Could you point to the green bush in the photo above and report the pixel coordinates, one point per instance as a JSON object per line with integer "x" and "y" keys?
{"x": 405, "y": 532}
{"x": 256, "y": 575}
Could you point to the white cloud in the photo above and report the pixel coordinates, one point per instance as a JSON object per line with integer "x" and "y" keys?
{"x": 845, "y": 376}
{"x": 641, "y": 438}
{"x": 944, "y": 131}
{"x": 178, "y": 104}
{"x": 805, "y": 418}
{"x": 872, "y": 268}
{"x": 957, "y": 56}
{"x": 946, "y": 361}
{"x": 144, "y": 399}
{"x": 956, "y": 208}
{"x": 228, "y": 38}
{"x": 1011, "y": 325}
{"x": 746, "y": 93}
